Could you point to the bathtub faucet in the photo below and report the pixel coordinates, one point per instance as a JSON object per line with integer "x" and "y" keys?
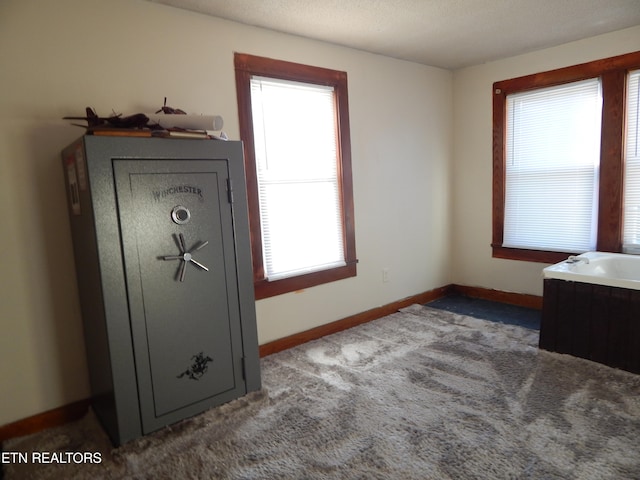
{"x": 577, "y": 258}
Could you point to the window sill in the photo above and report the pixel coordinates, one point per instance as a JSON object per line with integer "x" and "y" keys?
{"x": 266, "y": 289}
{"x": 541, "y": 256}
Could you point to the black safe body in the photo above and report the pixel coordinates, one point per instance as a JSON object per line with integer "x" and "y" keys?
{"x": 161, "y": 244}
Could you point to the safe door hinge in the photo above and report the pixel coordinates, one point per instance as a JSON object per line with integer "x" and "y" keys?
{"x": 229, "y": 190}
{"x": 244, "y": 368}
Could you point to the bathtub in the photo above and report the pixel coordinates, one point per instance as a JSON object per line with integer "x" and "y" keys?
{"x": 601, "y": 268}
{"x": 591, "y": 309}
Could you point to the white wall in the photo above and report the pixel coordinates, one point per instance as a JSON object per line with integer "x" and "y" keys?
{"x": 127, "y": 55}
{"x": 472, "y": 263}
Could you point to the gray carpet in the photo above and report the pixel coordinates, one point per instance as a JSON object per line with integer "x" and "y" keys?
{"x": 420, "y": 394}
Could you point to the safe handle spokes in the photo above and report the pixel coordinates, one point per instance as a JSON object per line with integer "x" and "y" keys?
{"x": 186, "y": 256}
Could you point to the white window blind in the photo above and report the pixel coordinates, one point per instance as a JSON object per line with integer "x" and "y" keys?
{"x": 551, "y": 170}
{"x": 631, "y": 236}
{"x": 294, "y": 128}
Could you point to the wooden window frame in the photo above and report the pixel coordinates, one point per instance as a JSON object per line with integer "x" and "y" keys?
{"x": 247, "y": 66}
{"x": 613, "y": 74}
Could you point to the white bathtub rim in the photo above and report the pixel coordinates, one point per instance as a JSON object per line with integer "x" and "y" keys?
{"x": 573, "y": 271}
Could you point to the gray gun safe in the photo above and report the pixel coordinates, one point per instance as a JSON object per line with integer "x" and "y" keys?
{"x": 161, "y": 244}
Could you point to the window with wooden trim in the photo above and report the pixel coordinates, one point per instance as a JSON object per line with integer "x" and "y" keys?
{"x": 294, "y": 123}
{"x": 559, "y": 165}
{"x": 631, "y": 236}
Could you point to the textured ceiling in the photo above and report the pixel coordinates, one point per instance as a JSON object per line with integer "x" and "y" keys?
{"x": 443, "y": 33}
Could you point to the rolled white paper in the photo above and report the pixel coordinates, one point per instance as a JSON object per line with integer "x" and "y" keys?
{"x": 188, "y": 122}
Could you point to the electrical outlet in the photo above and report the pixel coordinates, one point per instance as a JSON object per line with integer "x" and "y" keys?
{"x": 385, "y": 275}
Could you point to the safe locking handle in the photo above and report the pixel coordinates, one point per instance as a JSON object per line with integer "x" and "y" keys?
{"x": 186, "y": 256}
